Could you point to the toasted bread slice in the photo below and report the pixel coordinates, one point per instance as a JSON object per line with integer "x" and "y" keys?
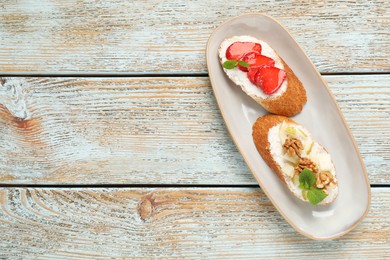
{"x": 288, "y": 148}
{"x": 288, "y": 100}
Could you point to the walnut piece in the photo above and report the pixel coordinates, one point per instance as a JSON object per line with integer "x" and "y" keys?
{"x": 324, "y": 179}
{"x": 306, "y": 163}
{"x": 293, "y": 146}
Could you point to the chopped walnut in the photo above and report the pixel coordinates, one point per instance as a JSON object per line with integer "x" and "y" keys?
{"x": 324, "y": 179}
{"x": 293, "y": 146}
{"x": 306, "y": 163}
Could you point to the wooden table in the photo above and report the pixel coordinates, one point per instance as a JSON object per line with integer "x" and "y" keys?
{"x": 112, "y": 144}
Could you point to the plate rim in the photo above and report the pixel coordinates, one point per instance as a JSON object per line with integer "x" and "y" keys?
{"x": 357, "y": 152}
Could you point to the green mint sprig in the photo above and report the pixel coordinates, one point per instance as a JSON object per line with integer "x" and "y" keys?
{"x": 306, "y": 179}
{"x": 306, "y": 183}
{"x": 231, "y": 64}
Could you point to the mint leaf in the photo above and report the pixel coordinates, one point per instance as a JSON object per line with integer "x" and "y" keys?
{"x": 315, "y": 196}
{"x": 306, "y": 179}
{"x": 230, "y": 64}
{"x": 243, "y": 63}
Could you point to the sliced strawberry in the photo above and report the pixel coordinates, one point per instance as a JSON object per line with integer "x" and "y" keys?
{"x": 269, "y": 79}
{"x": 252, "y": 74}
{"x": 255, "y": 59}
{"x": 238, "y": 49}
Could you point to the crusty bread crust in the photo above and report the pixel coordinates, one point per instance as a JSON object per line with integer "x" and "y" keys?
{"x": 291, "y": 101}
{"x": 260, "y": 138}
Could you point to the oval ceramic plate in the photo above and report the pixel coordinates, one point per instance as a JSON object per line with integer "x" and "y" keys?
{"x": 321, "y": 116}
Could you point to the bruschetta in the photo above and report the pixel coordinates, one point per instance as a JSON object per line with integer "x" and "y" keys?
{"x": 262, "y": 74}
{"x": 299, "y": 161}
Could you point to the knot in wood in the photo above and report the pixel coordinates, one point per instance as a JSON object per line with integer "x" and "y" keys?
{"x": 13, "y": 96}
{"x": 145, "y": 208}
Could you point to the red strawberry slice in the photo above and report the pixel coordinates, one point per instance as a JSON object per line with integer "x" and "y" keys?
{"x": 255, "y": 59}
{"x": 252, "y": 74}
{"x": 238, "y": 49}
{"x": 269, "y": 79}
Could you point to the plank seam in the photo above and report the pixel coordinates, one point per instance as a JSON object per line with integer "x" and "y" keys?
{"x": 6, "y": 185}
{"x": 157, "y": 75}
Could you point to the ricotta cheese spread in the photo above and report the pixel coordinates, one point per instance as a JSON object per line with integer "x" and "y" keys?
{"x": 277, "y": 136}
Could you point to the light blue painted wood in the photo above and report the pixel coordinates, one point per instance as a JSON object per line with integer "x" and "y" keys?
{"x": 185, "y": 223}
{"x": 135, "y": 37}
{"x": 153, "y": 130}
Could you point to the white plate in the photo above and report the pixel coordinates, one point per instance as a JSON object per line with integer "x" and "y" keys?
{"x": 321, "y": 116}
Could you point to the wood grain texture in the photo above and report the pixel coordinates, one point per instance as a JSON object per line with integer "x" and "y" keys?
{"x": 191, "y": 223}
{"x": 54, "y": 36}
{"x": 152, "y": 130}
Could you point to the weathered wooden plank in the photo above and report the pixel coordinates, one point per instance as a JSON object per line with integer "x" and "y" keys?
{"x": 152, "y": 130}
{"x": 54, "y": 36}
{"x": 365, "y": 103}
{"x": 191, "y": 223}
